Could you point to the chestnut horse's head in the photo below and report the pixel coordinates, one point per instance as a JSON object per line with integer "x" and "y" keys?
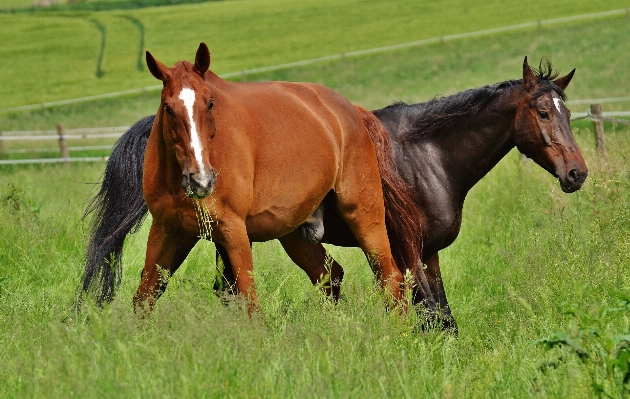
{"x": 187, "y": 119}
{"x": 542, "y": 130}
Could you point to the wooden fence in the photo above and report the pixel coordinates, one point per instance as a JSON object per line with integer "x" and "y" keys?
{"x": 62, "y": 135}
{"x": 595, "y": 115}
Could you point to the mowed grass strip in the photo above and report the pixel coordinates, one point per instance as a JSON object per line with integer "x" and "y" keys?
{"x": 245, "y": 34}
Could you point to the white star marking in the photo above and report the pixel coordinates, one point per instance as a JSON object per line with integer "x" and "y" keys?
{"x": 557, "y": 102}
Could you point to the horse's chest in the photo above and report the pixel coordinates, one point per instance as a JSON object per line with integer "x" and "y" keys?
{"x": 442, "y": 229}
{"x": 175, "y": 212}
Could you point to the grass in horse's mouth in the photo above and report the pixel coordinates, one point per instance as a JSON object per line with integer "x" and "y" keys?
{"x": 204, "y": 219}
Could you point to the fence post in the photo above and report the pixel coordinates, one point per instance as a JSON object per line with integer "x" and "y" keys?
{"x": 63, "y": 148}
{"x": 598, "y": 126}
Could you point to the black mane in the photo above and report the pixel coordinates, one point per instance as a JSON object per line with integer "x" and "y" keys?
{"x": 437, "y": 113}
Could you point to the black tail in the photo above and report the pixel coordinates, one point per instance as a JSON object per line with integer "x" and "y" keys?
{"x": 118, "y": 209}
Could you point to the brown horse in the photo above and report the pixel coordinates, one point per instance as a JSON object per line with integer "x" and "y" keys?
{"x": 259, "y": 158}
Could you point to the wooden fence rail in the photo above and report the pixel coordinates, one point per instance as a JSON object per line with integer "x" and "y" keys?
{"x": 61, "y": 135}
{"x": 593, "y": 114}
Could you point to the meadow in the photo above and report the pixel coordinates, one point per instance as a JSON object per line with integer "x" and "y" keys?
{"x": 241, "y": 34}
{"x": 525, "y": 254}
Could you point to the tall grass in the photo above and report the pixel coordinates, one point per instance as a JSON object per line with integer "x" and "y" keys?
{"x": 525, "y": 247}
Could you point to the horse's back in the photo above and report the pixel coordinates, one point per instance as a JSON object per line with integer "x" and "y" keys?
{"x": 280, "y": 102}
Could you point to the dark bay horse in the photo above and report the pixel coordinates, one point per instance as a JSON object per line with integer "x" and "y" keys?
{"x": 443, "y": 147}
{"x": 256, "y": 160}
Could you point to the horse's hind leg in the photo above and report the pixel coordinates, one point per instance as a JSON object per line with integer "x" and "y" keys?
{"x": 313, "y": 259}
{"x": 366, "y": 219}
{"x": 161, "y": 248}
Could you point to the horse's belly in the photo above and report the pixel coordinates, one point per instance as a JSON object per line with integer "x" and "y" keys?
{"x": 277, "y": 221}
{"x": 285, "y": 199}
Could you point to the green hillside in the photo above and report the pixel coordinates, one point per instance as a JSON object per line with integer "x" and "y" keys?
{"x": 412, "y": 75}
{"x": 49, "y": 56}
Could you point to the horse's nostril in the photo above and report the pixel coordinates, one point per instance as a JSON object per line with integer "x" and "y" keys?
{"x": 573, "y": 175}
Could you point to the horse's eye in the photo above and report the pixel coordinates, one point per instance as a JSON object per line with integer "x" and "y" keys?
{"x": 210, "y": 105}
{"x": 169, "y": 110}
{"x": 543, "y": 115}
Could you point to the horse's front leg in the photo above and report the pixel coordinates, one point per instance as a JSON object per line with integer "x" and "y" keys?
{"x": 161, "y": 248}
{"x": 434, "y": 277}
{"x": 233, "y": 238}
{"x": 182, "y": 252}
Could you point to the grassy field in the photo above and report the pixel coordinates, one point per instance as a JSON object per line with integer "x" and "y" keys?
{"x": 525, "y": 250}
{"x": 241, "y": 34}
{"x": 418, "y": 74}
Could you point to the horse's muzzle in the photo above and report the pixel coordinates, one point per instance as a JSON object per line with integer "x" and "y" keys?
{"x": 573, "y": 180}
{"x": 199, "y": 185}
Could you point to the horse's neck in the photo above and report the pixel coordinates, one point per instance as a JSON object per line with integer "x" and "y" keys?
{"x": 445, "y": 165}
{"x": 472, "y": 145}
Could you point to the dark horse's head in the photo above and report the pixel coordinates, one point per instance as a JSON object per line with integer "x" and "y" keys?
{"x": 542, "y": 131}
{"x": 187, "y": 119}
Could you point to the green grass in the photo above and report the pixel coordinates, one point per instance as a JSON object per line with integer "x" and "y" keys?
{"x": 241, "y": 34}
{"x": 15, "y": 4}
{"x": 525, "y": 247}
{"x": 412, "y": 75}
{"x": 34, "y": 6}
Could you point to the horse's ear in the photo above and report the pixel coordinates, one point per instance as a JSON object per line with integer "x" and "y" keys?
{"x": 159, "y": 70}
{"x": 529, "y": 79}
{"x": 564, "y": 81}
{"x": 202, "y": 59}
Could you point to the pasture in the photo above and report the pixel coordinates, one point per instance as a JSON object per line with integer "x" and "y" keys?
{"x": 525, "y": 251}
{"x": 241, "y": 34}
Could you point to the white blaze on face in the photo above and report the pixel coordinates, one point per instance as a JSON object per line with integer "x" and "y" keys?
{"x": 188, "y": 97}
{"x": 557, "y": 103}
